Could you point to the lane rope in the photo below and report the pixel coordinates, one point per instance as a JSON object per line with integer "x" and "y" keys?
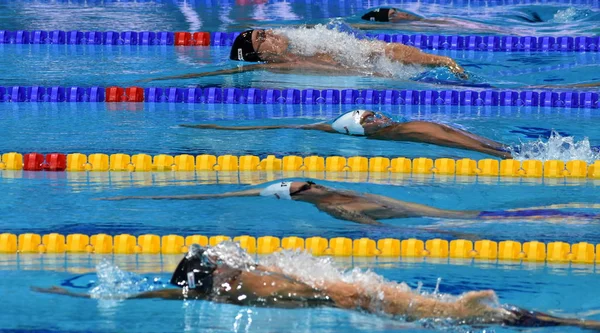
{"x": 532, "y": 251}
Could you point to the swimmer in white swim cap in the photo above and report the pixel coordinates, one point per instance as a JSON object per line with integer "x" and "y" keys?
{"x": 203, "y": 274}
{"x": 366, "y": 208}
{"x": 375, "y": 125}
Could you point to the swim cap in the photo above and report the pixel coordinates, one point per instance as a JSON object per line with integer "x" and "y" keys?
{"x": 349, "y": 123}
{"x": 194, "y": 271}
{"x": 378, "y": 15}
{"x": 279, "y": 191}
{"x": 242, "y": 49}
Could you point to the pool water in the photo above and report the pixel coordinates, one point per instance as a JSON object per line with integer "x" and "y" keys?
{"x": 66, "y": 202}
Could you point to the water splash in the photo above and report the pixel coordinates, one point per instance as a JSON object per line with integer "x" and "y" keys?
{"x": 346, "y": 47}
{"x": 571, "y": 14}
{"x": 114, "y": 283}
{"x": 562, "y": 148}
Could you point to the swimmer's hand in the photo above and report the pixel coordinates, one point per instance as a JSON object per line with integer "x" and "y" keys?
{"x": 457, "y": 70}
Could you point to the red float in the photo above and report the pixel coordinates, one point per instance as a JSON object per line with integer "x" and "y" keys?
{"x": 115, "y": 94}
{"x": 33, "y": 162}
{"x": 56, "y": 162}
{"x": 201, "y": 38}
{"x": 134, "y": 94}
{"x": 183, "y": 39}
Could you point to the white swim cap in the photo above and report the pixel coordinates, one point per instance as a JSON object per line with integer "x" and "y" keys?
{"x": 279, "y": 191}
{"x": 351, "y": 122}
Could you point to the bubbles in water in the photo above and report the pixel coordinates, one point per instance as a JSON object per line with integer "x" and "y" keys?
{"x": 341, "y": 43}
{"x": 570, "y": 14}
{"x": 231, "y": 254}
{"x": 114, "y": 283}
{"x": 556, "y": 148}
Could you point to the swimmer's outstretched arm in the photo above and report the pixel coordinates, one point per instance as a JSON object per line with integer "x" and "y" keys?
{"x": 240, "y": 69}
{"x": 167, "y": 294}
{"x": 318, "y": 127}
{"x": 246, "y": 193}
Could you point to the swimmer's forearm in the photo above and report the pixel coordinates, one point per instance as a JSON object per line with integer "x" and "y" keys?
{"x": 205, "y": 74}
{"x": 246, "y": 193}
{"x": 167, "y": 294}
{"x": 241, "y": 128}
{"x": 318, "y": 127}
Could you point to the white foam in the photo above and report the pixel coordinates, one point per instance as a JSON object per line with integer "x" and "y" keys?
{"x": 364, "y": 55}
{"x": 114, "y": 283}
{"x": 570, "y": 14}
{"x": 556, "y": 147}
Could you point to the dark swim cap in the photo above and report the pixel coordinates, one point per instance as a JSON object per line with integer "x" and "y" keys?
{"x": 378, "y": 15}
{"x": 242, "y": 49}
{"x": 194, "y": 271}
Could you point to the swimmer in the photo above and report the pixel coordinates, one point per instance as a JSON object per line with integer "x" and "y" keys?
{"x": 391, "y": 18}
{"x": 204, "y": 274}
{"x": 366, "y": 208}
{"x": 286, "y": 51}
{"x": 375, "y": 125}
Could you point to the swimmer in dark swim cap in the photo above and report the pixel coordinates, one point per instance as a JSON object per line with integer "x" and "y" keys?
{"x": 269, "y": 286}
{"x": 411, "y": 21}
{"x": 375, "y": 125}
{"x": 366, "y": 208}
{"x": 273, "y": 50}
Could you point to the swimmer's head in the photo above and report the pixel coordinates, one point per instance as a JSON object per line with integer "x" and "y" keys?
{"x": 390, "y": 15}
{"x": 292, "y": 190}
{"x": 278, "y": 191}
{"x": 349, "y": 123}
{"x": 374, "y": 121}
{"x": 195, "y": 270}
{"x": 258, "y": 45}
{"x": 360, "y": 122}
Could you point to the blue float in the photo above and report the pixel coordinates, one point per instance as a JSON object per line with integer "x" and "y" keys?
{"x": 232, "y": 95}
{"x": 213, "y": 95}
{"x": 111, "y": 38}
{"x": 409, "y": 97}
{"x": 95, "y": 94}
{"x": 147, "y": 38}
{"x": 154, "y": 95}
{"x": 252, "y": 96}
{"x": 350, "y": 96}
{"x": 75, "y": 94}
{"x": 56, "y": 94}
{"x": 37, "y": 94}
{"x": 38, "y": 37}
{"x": 271, "y": 96}
{"x": 93, "y": 37}
{"x": 310, "y": 96}
{"x": 56, "y": 37}
{"x": 74, "y": 37}
{"x": 129, "y": 38}
{"x": 194, "y": 95}
{"x": 165, "y": 38}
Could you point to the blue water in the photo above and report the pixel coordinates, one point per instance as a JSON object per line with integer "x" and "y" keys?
{"x": 44, "y": 202}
